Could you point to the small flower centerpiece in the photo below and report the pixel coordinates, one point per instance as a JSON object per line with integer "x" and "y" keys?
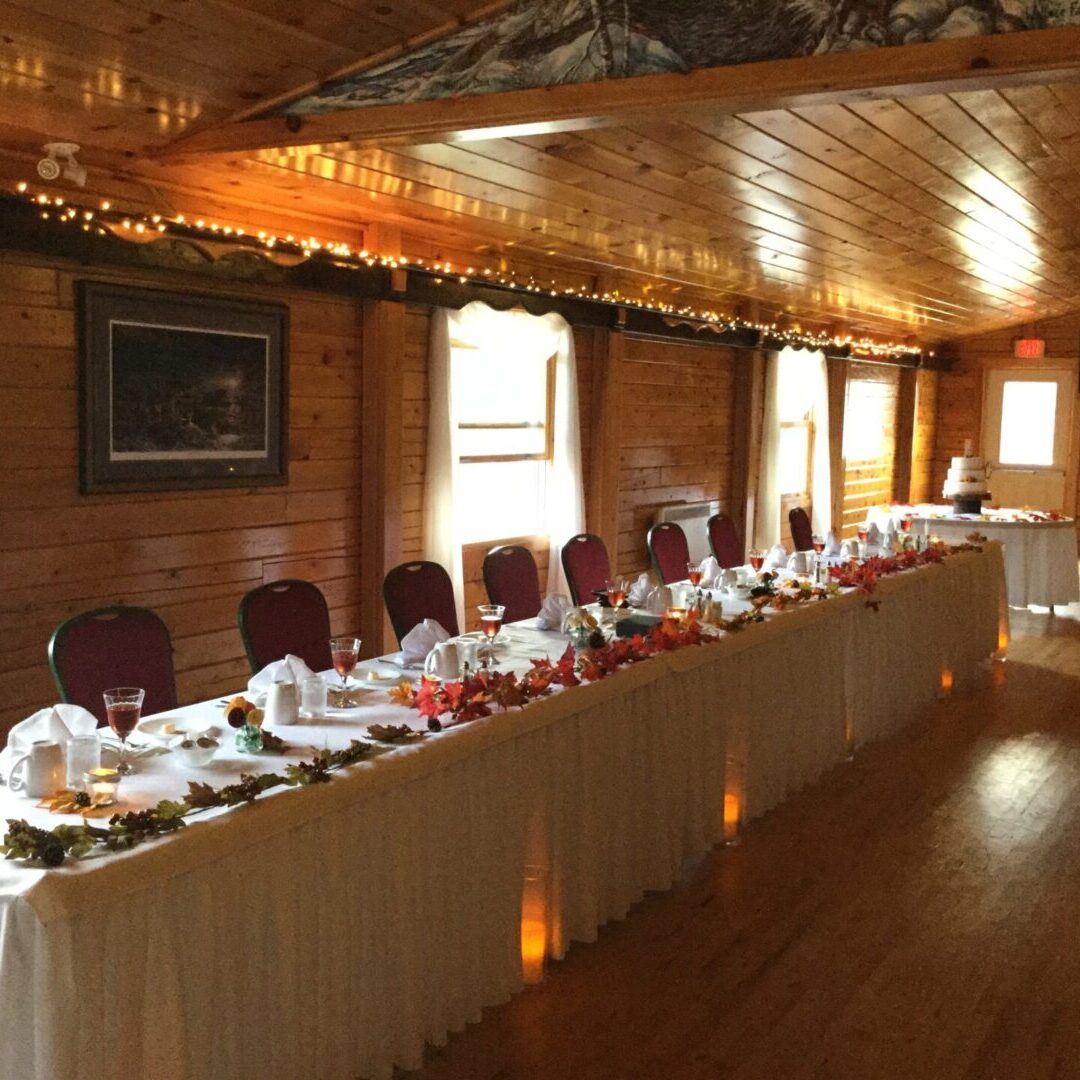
{"x": 581, "y": 627}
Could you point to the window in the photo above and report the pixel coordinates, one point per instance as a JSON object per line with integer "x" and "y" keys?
{"x": 867, "y": 419}
{"x": 504, "y": 405}
{"x": 1028, "y": 418}
{"x": 795, "y": 451}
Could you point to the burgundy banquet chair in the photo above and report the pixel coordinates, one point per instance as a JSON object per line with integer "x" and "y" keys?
{"x": 511, "y": 579}
{"x": 724, "y": 541}
{"x": 283, "y": 617}
{"x": 802, "y": 534}
{"x": 109, "y": 647}
{"x": 586, "y": 566}
{"x": 415, "y": 591}
{"x": 669, "y": 551}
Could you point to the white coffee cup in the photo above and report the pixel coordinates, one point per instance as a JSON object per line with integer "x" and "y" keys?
{"x": 42, "y": 770}
{"x": 282, "y": 704}
{"x": 797, "y": 562}
{"x": 442, "y": 661}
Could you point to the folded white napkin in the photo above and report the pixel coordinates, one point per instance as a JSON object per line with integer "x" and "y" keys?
{"x": 710, "y": 572}
{"x": 658, "y": 601}
{"x": 553, "y": 612}
{"x": 849, "y": 549}
{"x": 873, "y": 535}
{"x": 832, "y": 545}
{"x": 888, "y": 541}
{"x": 777, "y": 557}
{"x": 56, "y": 723}
{"x": 639, "y": 591}
{"x": 420, "y": 640}
{"x": 292, "y": 669}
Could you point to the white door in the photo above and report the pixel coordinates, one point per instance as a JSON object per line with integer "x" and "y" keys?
{"x": 1027, "y": 420}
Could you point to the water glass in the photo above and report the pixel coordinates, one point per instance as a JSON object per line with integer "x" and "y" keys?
{"x": 83, "y": 754}
{"x": 468, "y": 656}
{"x": 313, "y": 697}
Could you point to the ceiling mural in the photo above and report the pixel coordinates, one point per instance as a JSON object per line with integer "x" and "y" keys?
{"x": 551, "y": 42}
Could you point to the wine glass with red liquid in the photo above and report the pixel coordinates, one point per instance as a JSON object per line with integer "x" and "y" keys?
{"x": 694, "y": 573}
{"x": 863, "y": 533}
{"x": 344, "y": 653}
{"x": 123, "y": 709}
{"x": 491, "y": 620}
{"x": 757, "y": 560}
{"x": 616, "y": 594}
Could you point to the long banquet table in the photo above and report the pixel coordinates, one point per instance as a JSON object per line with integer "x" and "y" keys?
{"x": 1040, "y": 555}
{"x": 331, "y": 931}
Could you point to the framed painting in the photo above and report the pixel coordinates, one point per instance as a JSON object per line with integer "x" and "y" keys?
{"x": 180, "y": 391}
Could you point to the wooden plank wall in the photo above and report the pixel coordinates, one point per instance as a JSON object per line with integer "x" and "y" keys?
{"x": 870, "y": 483}
{"x": 960, "y": 398}
{"x": 188, "y": 555}
{"x": 192, "y": 555}
{"x": 675, "y": 428}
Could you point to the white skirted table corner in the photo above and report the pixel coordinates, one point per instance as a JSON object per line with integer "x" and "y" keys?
{"x": 333, "y": 930}
{"x": 1041, "y": 560}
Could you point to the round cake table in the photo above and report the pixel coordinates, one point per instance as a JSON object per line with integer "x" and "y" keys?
{"x": 1040, "y": 556}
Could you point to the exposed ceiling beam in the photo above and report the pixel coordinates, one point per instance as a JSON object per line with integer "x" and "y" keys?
{"x": 1022, "y": 58}
{"x": 366, "y": 63}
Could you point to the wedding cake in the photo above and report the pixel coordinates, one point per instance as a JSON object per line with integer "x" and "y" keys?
{"x": 966, "y": 482}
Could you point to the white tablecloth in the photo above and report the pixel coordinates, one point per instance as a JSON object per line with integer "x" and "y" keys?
{"x": 331, "y": 931}
{"x": 1040, "y": 556}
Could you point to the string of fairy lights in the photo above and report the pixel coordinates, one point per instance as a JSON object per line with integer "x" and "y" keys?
{"x": 104, "y": 219}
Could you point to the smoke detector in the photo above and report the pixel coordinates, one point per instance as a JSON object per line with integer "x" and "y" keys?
{"x": 61, "y": 162}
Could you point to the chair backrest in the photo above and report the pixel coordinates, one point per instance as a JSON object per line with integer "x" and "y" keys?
{"x": 511, "y": 579}
{"x": 586, "y": 566}
{"x": 802, "y": 534}
{"x": 113, "y": 646}
{"x": 669, "y": 551}
{"x": 285, "y": 617}
{"x": 724, "y": 541}
{"x": 415, "y": 591}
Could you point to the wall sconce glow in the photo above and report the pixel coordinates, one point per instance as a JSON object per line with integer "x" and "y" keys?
{"x": 533, "y": 925}
{"x": 1003, "y": 643}
{"x": 732, "y": 817}
{"x": 946, "y": 681}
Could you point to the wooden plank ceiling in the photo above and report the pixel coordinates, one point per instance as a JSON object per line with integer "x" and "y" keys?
{"x": 931, "y": 216}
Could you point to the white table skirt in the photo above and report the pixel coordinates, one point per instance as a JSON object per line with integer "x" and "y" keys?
{"x": 1040, "y": 556}
{"x": 331, "y": 931}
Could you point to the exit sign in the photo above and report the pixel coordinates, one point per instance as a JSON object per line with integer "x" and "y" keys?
{"x": 1029, "y": 348}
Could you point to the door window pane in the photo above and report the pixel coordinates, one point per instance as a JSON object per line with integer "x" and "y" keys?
{"x": 1028, "y": 413}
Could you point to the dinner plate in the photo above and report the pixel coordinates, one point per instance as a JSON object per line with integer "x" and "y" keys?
{"x": 368, "y": 677}
{"x": 155, "y": 727}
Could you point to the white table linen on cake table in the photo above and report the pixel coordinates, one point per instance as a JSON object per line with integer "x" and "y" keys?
{"x": 1040, "y": 556}
{"x": 331, "y": 931}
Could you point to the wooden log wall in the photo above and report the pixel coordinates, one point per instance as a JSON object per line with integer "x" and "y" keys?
{"x": 189, "y": 555}
{"x": 669, "y": 409}
{"x": 960, "y": 397}
{"x": 674, "y": 430}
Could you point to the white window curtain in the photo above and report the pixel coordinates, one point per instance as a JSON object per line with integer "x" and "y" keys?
{"x": 793, "y": 375}
{"x": 564, "y": 502}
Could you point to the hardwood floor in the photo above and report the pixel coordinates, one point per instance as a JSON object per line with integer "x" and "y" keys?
{"x": 913, "y": 915}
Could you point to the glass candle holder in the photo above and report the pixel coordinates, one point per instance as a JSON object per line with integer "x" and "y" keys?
{"x": 101, "y": 785}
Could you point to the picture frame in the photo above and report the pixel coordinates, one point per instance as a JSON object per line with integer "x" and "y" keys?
{"x": 180, "y": 391}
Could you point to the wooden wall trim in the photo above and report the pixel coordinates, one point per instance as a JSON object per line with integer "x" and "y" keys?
{"x": 749, "y": 391}
{"x": 381, "y": 485}
{"x": 837, "y": 372}
{"x": 602, "y": 502}
{"x": 905, "y": 436}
